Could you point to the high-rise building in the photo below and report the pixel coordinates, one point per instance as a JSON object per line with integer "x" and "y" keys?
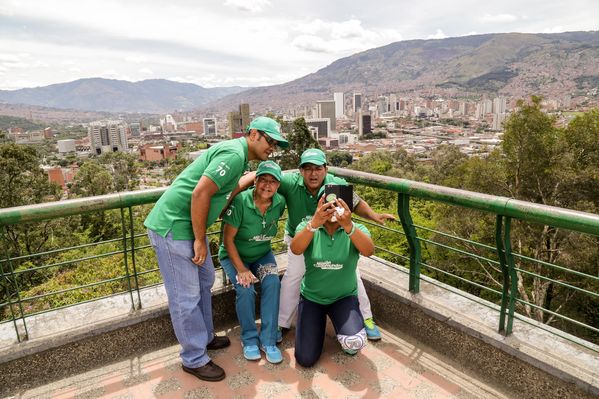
{"x": 239, "y": 120}
{"x": 107, "y": 136}
{"x": 357, "y": 102}
{"x": 209, "y": 126}
{"x": 326, "y": 109}
{"x": 364, "y": 123}
{"x": 339, "y": 104}
{"x": 320, "y": 126}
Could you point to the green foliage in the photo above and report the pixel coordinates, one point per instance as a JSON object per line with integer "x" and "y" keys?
{"x": 300, "y": 139}
{"x": 340, "y": 158}
{"x": 7, "y": 122}
{"x": 124, "y": 169}
{"x": 176, "y": 166}
{"x": 92, "y": 179}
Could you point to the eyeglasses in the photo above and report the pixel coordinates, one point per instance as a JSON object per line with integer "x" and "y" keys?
{"x": 269, "y": 140}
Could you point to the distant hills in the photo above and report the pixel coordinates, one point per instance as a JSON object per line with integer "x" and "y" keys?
{"x": 513, "y": 64}
{"x": 109, "y": 95}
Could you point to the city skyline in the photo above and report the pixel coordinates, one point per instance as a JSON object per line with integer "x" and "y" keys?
{"x": 239, "y": 43}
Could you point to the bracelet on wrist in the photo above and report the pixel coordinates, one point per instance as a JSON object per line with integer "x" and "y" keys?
{"x": 353, "y": 229}
{"x": 310, "y": 228}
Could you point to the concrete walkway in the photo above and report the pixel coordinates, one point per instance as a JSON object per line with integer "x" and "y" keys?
{"x": 391, "y": 368}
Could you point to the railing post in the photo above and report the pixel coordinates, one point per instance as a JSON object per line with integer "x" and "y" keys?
{"x": 403, "y": 210}
{"x": 13, "y": 281}
{"x": 509, "y": 291}
{"x": 132, "y": 232}
{"x": 127, "y": 274}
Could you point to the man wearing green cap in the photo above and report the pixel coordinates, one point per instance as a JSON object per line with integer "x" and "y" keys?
{"x": 300, "y": 190}
{"x": 177, "y": 229}
{"x": 250, "y": 223}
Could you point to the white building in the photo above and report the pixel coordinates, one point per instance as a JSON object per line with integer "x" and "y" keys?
{"x": 339, "y": 104}
{"x": 107, "y": 136}
{"x": 65, "y": 146}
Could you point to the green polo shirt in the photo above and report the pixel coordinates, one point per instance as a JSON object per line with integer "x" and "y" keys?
{"x": 300, "y": 202}
{"x": 254, "y": 230}
{"x": 331, "y": 263}
{"x": 224, "y": 163}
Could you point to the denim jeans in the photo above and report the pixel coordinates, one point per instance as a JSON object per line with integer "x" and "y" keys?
{"x": 189, "y": 297}
{"x": 265, "y": 269}
{"x": 312, "y": 321}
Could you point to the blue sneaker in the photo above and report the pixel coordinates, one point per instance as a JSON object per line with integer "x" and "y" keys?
{"x": 273, "y": 354}
{"x": 251, "y": 352}
{"x": 279, "y": 335}
{"x": 372, "y": 331}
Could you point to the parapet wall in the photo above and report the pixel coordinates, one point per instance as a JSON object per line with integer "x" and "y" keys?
{"x": 531, "y": 363}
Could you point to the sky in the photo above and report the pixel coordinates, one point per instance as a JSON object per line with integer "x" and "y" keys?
{"x": 241, "y": 43}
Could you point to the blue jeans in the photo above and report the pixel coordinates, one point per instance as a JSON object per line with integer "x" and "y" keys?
{"x": 265, "y": 269}
{"x": 189, "y": 298}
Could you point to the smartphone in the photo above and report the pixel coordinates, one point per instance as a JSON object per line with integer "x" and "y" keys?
{"x": 346, "y": 193}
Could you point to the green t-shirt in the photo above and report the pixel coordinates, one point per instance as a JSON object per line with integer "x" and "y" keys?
{"x": 254, "y": 230}
{"x": 330, "y": 266}
{"x": 300, "y": 202}
{"x": 224, "y": 163}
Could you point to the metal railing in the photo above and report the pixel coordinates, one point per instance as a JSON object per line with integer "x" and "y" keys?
{"x": 505, "y": 211}
{"x": 125, "y": 250}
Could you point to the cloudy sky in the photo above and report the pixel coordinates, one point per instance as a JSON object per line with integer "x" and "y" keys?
{"x": 241, "y": 42}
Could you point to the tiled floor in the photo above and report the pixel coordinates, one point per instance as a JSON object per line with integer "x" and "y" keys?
{"x": 391, "y": 368}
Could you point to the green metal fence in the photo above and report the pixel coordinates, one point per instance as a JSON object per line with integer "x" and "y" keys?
{"x": 506, "y": 211}
{"x": 126, "y": 251}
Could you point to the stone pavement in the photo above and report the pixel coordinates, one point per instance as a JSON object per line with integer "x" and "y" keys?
{"x": 391, "y": 368}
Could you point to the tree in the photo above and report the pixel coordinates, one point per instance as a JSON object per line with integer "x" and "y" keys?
{"x": 300, "y": 139}
{"x": 340, "y": 158}
{"x": 124, "y": 169}
{"x": 92, "y": 179}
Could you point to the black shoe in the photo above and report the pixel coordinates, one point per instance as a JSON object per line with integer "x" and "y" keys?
{"x": 208, "y": 372}
{"x": 218, "y": 343}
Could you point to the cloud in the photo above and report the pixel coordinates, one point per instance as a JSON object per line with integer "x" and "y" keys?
{"x": 438, "y": 35}
{"x": 145, "y": 71}
{"x": 555, "y": 29}
{"x": 320, "y": 36}
{"x": 248, "y": 5}
{"x": 498, "y": 18}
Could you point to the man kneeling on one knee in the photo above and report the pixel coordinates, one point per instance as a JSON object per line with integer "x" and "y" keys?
{"x": 332, "y": 244}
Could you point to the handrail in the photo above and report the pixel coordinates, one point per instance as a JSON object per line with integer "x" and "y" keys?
{"x": 543, "y": 214}
{"x": 52, "y": 210}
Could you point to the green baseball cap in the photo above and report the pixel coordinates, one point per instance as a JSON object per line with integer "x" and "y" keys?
{"x": 270, "y": 168}
{"x": 313, "y": 156}
{"x": 270, "y": 127}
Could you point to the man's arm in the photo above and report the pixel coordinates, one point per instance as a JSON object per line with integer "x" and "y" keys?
{"x": 364, "y": 210}
{"x": 245, "y": 182}
{"x": 200, "y": 206}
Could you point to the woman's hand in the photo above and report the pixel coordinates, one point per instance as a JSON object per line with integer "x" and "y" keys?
{"x": 344, "y": 218}
{"x": 324, "y": 211}
{"x": 246, "y": 278}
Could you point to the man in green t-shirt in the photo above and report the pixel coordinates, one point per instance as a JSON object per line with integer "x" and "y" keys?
{"x": 300, "y": 190}
{"x": 177, "y": 228}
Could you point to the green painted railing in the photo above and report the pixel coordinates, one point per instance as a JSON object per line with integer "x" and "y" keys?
{"x": 131, "y": 243}
{"x": 505, "y": 210}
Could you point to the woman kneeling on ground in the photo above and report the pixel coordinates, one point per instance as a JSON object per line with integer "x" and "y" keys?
{"x": 332, "y": 244}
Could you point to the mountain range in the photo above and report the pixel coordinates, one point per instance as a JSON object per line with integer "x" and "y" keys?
{"x": 511, "y": 64}
{"x": 110, "y": 95}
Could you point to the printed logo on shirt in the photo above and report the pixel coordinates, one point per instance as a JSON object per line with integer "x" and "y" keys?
{"x": 222, "y": 168}
{"x": 328, "y": 265}
{"x": 261, "y": 237}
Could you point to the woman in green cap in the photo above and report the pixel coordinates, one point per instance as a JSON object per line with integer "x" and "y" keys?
{"x": 250, "y": 223}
